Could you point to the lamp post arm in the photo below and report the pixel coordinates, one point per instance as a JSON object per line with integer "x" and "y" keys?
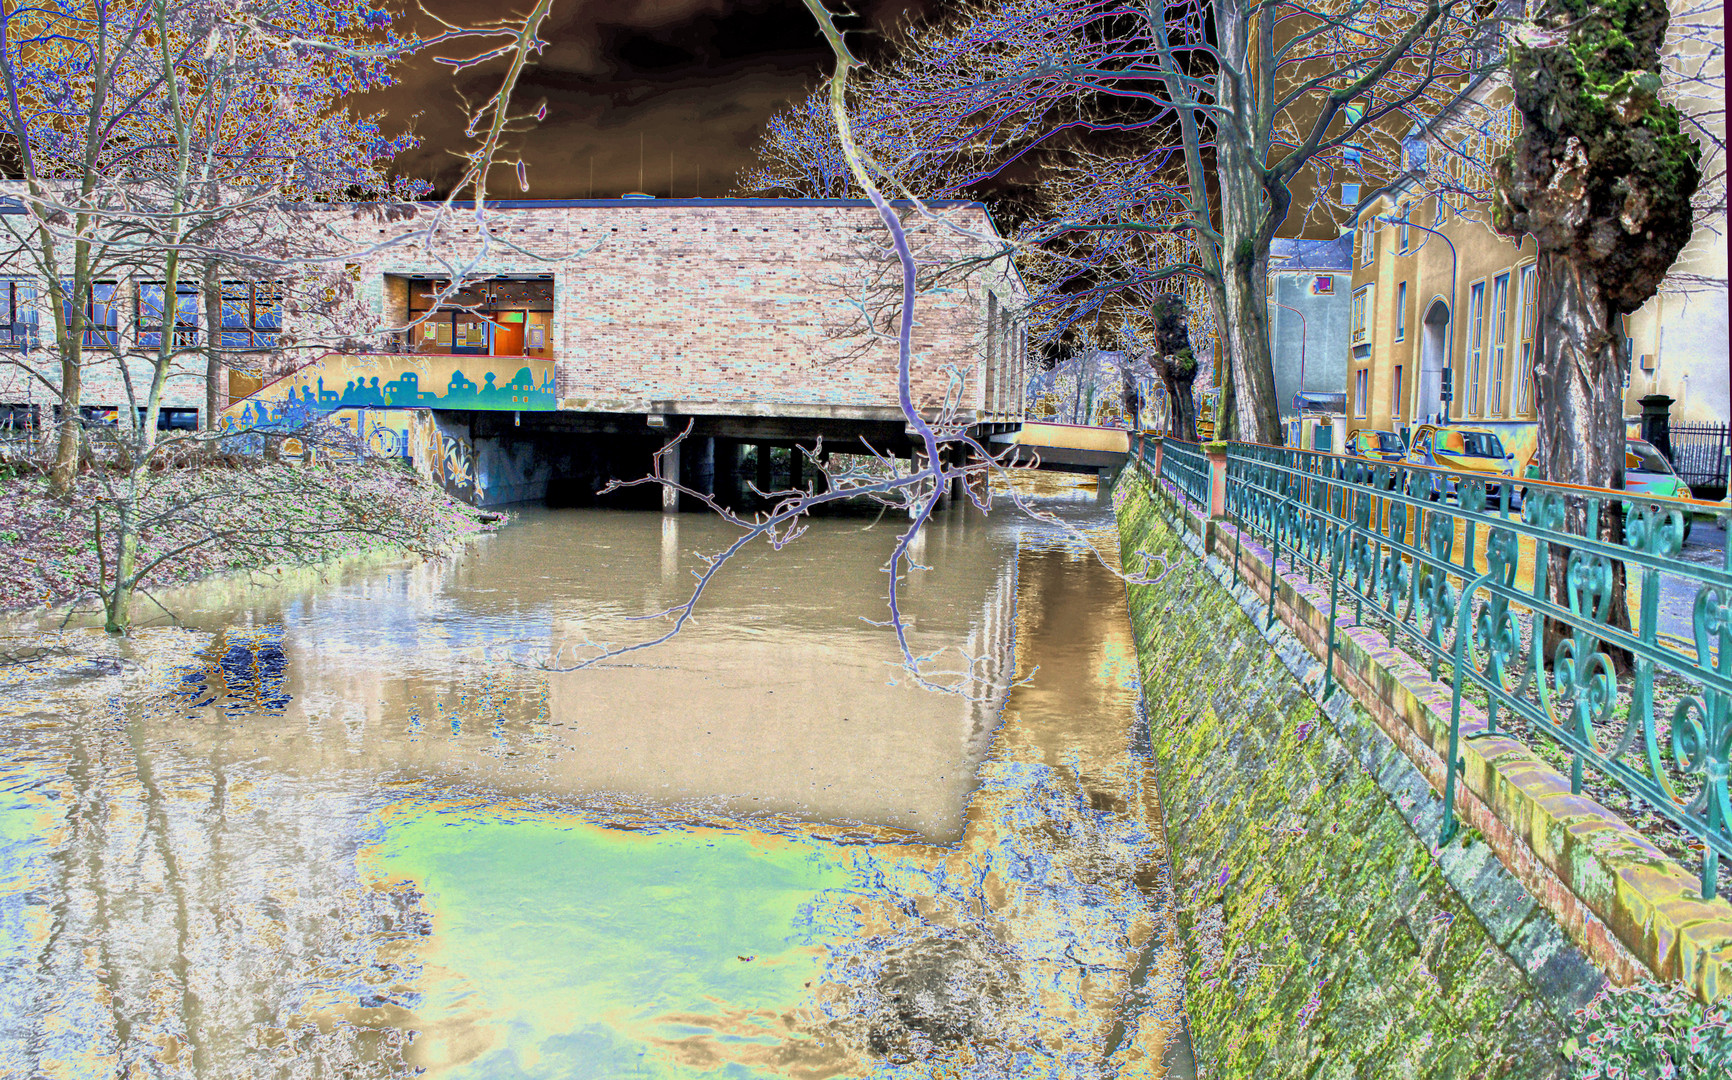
{"x": 1304, "y": 332}
{"x": 1449, "y": 328}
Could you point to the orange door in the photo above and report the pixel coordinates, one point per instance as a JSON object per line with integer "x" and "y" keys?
{"x": 508, "y": 334}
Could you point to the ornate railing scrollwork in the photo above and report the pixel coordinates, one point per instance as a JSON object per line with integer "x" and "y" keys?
{"x": 1442, "y": 564}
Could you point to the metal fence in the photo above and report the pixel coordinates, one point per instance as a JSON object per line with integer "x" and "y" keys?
{"x": 1186, "y": 467}
{"x": 1700, "y": 453}
{"x": 1516, "y": 592}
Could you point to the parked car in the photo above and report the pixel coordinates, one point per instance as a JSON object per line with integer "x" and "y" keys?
{"x": 1376, "y": 445}
{"x": 1646, "y": 472}
{"x": 1461, "y": 450}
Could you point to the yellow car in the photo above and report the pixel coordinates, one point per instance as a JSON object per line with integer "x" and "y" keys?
{"x": 1374, "y": 444}
{"x": 1463, "y": 450}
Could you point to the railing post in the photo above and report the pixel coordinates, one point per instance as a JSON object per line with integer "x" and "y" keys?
{"x": 1217, "y": 454}
{"x": 1159, "y": 442}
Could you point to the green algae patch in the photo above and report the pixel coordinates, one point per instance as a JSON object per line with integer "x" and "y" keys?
{"x": 1322, "y": 939}
{"x": 559, "y": 948}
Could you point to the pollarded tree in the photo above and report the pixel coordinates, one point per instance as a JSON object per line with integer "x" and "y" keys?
{"x": 1178, "y": 364}
{"x": 1602, "y": 178}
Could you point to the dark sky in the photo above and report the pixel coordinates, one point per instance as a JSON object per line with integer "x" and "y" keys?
{"x": 694, "y": 79}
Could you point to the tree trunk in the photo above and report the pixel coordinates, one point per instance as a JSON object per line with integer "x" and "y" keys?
{"x": 1251, "y": 413}
{"x": 213, "y": 368}
{"x": 65, "y": 469}
{"x": 1579, "y": 366}
{"x": 1248, "y": 394}
{"x": 117, "y": 604}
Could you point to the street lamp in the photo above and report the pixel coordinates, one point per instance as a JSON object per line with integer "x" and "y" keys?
{"x": 1449, "y": 327}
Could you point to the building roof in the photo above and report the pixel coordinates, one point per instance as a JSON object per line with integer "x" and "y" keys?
{"x": 1310, "y": 255}
{"x": 651, "y": 203}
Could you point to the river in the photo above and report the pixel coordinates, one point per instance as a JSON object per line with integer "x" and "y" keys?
{"x": 367, "y": 822}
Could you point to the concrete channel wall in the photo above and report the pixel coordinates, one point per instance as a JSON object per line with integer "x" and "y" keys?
{"x": 1323, "y": 935}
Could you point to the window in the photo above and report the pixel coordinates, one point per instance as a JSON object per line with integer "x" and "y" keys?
{"x": 1475, "y": 348}
{"x": 18, "y": 314}
{"x": 1525, "y": 375}
{"x": 252, "y": 314}
{"x": 1401, "y": 312}
{"x": 1499, "y": 340}
{"x": 467, "y": 320}
{"x": 1395, "y": 396}
{"x": 1641, "y": 456}
{"x": 1367, "y": 239}
{"x": 101, "y": 315}
{"x": 1360, "y": 378}
{"x": 1405, "y": 236}
{"x": 1361, "y": 315}
{"x": 1469, "y": 443}
{"x": 150, "y": 314}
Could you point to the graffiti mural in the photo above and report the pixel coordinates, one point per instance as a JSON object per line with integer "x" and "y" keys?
{"x": 382, "y": 409}
{"x": 343, "y": 381}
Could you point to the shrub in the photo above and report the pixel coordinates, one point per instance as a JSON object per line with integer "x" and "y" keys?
{"x": 1650, "y": 1031}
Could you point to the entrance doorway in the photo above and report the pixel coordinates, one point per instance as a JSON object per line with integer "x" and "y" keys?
{"x": 508, "y": 333}
{"x": 1432, "y": 346}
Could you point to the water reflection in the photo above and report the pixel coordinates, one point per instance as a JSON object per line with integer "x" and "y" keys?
{"x": 317, "y": 832}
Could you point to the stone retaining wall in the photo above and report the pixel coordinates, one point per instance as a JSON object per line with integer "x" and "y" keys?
{"x": 1324, "y": 936}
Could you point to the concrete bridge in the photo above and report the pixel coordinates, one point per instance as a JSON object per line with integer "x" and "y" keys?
{"x": 491, "y": 429}
{"x": 434, "y": 408}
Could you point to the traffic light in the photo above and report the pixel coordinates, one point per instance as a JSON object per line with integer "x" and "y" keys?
{"x": 1448, "y": 384}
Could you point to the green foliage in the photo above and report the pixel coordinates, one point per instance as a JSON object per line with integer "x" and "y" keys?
{"x": 1650, "y": 1030}
{"x": 1603, "y": 172}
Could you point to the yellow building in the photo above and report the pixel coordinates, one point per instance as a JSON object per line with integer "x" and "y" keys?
{"x": 1435, "y": 289}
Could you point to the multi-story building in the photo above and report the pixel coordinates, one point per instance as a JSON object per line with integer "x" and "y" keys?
{"x": 1309, "y": 286}
{"x": 1435, "y": 289}
{"x": 736, "y": 312}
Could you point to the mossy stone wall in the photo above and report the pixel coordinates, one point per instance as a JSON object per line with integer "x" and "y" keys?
{"x": 1323, "y": 935}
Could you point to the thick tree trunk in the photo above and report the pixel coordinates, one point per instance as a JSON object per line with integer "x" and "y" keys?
{"x": 1248, "y": 394}
{"x": 1181, "y": 403}
{"x": 1578, "y": 380}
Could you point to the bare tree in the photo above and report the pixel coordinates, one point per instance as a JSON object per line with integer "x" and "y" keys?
{"x": 227, "y": 162}
{"x": 1235, "y": 104}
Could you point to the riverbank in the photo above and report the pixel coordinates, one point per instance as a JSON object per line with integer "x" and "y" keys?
{"x": 218, "y": 519}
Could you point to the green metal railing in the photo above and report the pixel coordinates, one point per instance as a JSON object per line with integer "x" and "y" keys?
{"x": 1186, "y": 467}
{"x": 1519, "y": 588}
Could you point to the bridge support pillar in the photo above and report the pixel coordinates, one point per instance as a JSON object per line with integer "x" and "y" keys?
{"x": 670, "y": 470}
{"x": 763, "y": 479}
{"x": 701, "y": 466}
{"x": 728, "y": 476}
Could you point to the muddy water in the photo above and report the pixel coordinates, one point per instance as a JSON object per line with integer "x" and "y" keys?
{"x": 369, "y": 825}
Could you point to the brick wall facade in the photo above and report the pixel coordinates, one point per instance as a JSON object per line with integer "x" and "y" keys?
{"x": 693, "y": 306}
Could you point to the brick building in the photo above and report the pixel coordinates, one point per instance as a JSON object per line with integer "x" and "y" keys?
{"x": 660, "y": 308}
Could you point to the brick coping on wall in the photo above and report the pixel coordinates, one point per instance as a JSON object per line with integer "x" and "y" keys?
{"x": 1634, "y": 911}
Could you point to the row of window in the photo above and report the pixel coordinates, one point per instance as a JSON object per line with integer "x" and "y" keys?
{"x": 1488, "y": 358}
{"x": 19, "y": 419}
{"x": 252, "y": 314}
{"x": 1368, "y": 230}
